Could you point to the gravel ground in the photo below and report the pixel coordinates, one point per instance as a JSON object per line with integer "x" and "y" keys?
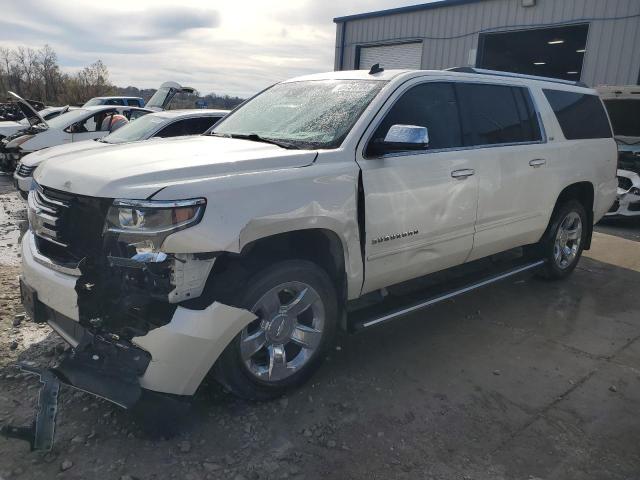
{"x": 522, "y": 380}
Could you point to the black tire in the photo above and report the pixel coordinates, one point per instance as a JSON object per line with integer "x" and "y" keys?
{"x": 553, "y": 268}
{"x": 231, "y": 370}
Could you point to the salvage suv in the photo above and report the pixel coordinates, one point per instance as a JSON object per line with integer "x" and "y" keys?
{"x": 338, "y": 200}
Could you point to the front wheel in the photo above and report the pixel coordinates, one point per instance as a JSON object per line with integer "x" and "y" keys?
{"x": 296, "y": 308}
{"x": 564, "y": 241}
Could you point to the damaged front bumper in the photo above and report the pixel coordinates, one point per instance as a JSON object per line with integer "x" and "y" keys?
{"x": 627, "y": 204}
{"x": 172, "y": 358}
{"x": 9, "y": 157}
{"x": 104, "y": 368}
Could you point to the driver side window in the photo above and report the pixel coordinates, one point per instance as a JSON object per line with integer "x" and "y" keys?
{"x": 94, "y": 123}
{"x": 431, "y": 105}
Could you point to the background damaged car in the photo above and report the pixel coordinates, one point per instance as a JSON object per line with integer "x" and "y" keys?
{"x": 172, "y": 123}
{"x": 84, "y": 123}
{"x": 623, "y": 106}
{"x": 73, "y": 126}
{"x": 11, "y": 127}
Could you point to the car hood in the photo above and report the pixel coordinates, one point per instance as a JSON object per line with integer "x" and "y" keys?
{"x": 32, "y": 116}
{"x": 8, "y": 127}
{"x": 36, "y": 158}
{"x": 138, "y": 170}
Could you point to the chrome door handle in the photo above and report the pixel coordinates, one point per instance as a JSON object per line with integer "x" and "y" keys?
{"x": 463, "y": 173}
{"x": 537, "y": 162}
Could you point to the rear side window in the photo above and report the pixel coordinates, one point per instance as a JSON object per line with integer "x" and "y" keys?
{"x": 497, "y": 114}
{"x": 431, "y": 105}
{"x": 625, "y": 116}
{"x": 133, "y": 102}
{"x": 187, "y": 126}
{"x": 581, "y": 116}
{"x": 199, "y": 125}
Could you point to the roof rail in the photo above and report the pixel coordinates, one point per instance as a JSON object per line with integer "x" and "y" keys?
{"x": 498, "y": 73}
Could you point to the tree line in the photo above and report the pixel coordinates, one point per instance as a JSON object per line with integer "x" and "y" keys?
{"x": 35, "y": 74}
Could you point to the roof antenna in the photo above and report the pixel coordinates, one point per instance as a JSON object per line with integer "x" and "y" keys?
{"x": 376, "y": 69}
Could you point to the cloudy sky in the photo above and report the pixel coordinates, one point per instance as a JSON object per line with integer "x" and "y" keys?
{"x": 224, "y": 46}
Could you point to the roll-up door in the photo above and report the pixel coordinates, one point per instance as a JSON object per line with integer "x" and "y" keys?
{"x": 402, "y": 55}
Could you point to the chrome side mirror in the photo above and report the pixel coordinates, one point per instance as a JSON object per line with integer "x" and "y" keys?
{"x": 407, "y": 137}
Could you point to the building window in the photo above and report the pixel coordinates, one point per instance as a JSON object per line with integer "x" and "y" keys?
{"x": 548, "y": 52}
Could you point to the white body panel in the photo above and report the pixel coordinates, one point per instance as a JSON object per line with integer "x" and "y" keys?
{"x": 628, "y": 198}
{"x": 55, "y": 289}
{"x": 9, "y": 127}
{"x": 184, "y": 350}
{"x": 36, "y": 158}
{"x": 257, "y": 190}
{"x": 61, "y": 135}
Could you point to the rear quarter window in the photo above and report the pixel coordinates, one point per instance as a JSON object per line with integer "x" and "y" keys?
{"x": 581, "y": 116}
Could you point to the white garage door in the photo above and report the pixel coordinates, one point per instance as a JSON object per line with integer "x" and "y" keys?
{"x": 404, "y": 55}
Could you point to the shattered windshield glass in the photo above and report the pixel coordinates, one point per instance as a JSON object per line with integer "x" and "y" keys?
{"x": 306, "y": 114}
{"x": 625, "y": 117}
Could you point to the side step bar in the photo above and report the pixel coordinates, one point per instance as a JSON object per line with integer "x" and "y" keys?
{"x": 359, "y": 323}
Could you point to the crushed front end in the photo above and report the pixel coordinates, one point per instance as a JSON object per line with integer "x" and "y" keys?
{"x": 93, "y": 269}
{"x": 627, "y": 203}
{"x": 10, "y": 153}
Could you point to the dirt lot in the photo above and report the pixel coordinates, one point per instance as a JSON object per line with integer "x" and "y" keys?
{"x": 522, "y": 380}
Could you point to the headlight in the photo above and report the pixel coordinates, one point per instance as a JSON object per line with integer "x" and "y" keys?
{"x": 145, "y": 224}
{"x": 152, "y": 217}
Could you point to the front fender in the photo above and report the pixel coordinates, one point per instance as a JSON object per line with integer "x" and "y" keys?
{"x": 247, "y": 207}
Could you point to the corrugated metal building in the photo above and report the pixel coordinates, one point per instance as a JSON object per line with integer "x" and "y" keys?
{"x": 595, "y": 41}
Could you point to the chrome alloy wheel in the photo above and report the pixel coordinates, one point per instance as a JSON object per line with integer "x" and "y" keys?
{"x": 568, "y": 238}
{"x": 286, "y": 334}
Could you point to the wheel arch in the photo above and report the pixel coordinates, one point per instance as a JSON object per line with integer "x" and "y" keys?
{"x": 584, "y": 192}
{"x": 321, "y": 246}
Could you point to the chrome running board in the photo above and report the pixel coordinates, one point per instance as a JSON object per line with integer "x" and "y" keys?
{"x": 357, "y": 322}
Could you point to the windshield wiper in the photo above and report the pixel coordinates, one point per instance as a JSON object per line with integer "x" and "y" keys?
{"x": 254, "y": 137}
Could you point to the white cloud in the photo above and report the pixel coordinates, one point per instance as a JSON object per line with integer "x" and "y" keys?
{"x": 233, "y": 47}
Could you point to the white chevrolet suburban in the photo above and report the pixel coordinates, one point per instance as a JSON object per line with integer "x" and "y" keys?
{"x": 338, "y": 200}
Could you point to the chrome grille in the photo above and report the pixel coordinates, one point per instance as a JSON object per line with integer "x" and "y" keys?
{"x": 44, "y": 216}
{"x": 24, "y": 170}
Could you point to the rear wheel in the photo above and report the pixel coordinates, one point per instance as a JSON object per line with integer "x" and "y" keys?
{"x": 564, "y": 241}
{"x": 296, "y": 309}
